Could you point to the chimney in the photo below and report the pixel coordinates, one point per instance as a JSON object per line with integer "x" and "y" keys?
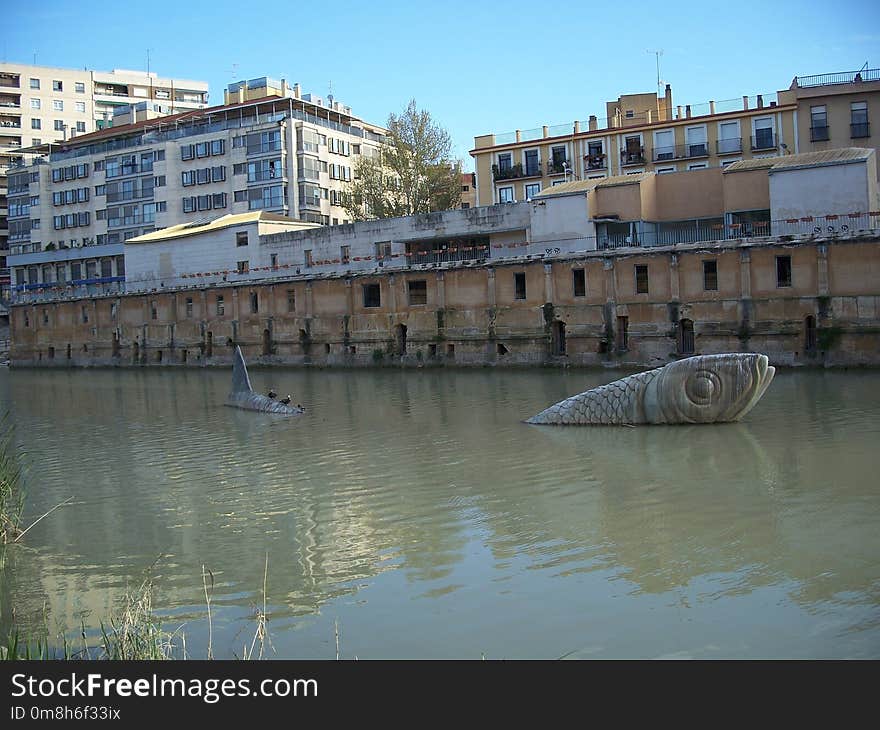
{"x": 687, "y": 111}
{"x": 296, "y": 90}
{"x": 577, "y": 127}
{"x": 745, "y": 103}
{"x": 546, "y": 131}
{"x": 649, "y": 116}
{"x": 711, "y": 107}
{"x": 760, "y": 101}
{"x": 593, "y": 123}
{"x": 518, "y": 136}
{"x": 678, "y": 112}
{"x": 668, "y": 97}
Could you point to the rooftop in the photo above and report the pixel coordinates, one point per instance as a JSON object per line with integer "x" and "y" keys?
{"x": 226, "y": 221}
{"x": 841, "y": 156}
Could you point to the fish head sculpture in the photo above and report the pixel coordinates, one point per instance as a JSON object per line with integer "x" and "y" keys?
{"x": 242, "y": 393}
{"x": 708, "y": 388}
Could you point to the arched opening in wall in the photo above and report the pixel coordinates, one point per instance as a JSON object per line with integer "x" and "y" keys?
{"x": 158, "y": 355}
{"x": 432, "y": 351}
{"x": 267, "y": 342}
{"x": 115, "y": 344}
{"x": 557, "y": 334}
{"x": 326, "y": 348}
{"x": 209, "y": 347}
{"x": 135, "y": 352}
{"x": 400, "y": 338}
{"x": 502, "y": 350}
{"x": 686, "y": 337}
{"x": 51, "y": 353}
{"x": 85, "y": 348}
{"x": 183, "y": 357}
{"x": 450, "y": 351}
{"x": 68, "y": 351}
{"x": 811, "y": 336}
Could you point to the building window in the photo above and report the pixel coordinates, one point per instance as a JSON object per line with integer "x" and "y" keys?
{"x": 80, "y": 126}
{"x": 763, "y": 138}
{"x": 858, "y": 127}
{"x": 533, "y": 167}
{"x": 698, "y": 165}
{"x": 240, "y": 196}
{"x": 186, "y": 152}
{"x": 220, "y": 306}
{"x": 35, "y": 83}
{"x": 58, "y": 105}
{"x": 505, "y": 162}
{"x": 243, "y": 267}
{"x": 579, "y": 282}
{"x": 519, "y": 285}
{"x": 710, "y": 275}
{"x": 641, "y": 279}
{"x": 203, "y": 175}
{"x": 372, "y": 295}
{"x": 79, "y": 87}
{"x": 202, "y": 149}
{"x": 383, "y": 251}
{"x": 418, "y": 292}
{"x": 218, "y": 174}
{"x": 291, "y": 300}
{"x": 218, "y": 146}
{"x": 532, "y": 190}
{"x": 666, "y": 170}
{"x": 255, "y": 302}
{"x": 36, "y": 124}
{"x": 686, "y": 337}
{"x": 59, "y": 125}
{"x": 307, "y": 258}
{"x": 85, "y": 314}
{"x": 241, "y": 238}
{"x": 818, "y": 124}
{"x": 558, "y": 158}
{"x": 35, "y": 104}
{"x": 622, "y": 334}
{"x": 505, "y": 195}
{"x": 345, "y": 254}
{"x": 57, "y": 86}
{"x": 81, "y": 106}
{"x": 189, "y": 307}
{"x": 154, "y": 311}
{"x": 783, "y": 271}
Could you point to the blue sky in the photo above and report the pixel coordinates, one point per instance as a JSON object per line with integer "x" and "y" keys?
{"x": 478, "y": 67}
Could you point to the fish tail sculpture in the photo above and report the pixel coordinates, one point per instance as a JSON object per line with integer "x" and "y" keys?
{"x": 242, "y": 394}
{"x": 703, "y": 389}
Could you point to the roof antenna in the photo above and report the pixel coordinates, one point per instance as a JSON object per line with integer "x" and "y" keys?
{"x": 657, "y": 54}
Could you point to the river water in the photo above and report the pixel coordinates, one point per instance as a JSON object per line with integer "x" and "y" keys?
{"x": 415, "y": 511}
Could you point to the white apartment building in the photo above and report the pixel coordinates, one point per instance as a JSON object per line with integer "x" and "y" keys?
{"x": 76, "y": 203}
{"x": 42, "y": 104}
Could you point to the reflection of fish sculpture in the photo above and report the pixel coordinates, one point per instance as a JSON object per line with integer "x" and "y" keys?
{"x": 705, "y": 389}
{"x": 242, "y": 394}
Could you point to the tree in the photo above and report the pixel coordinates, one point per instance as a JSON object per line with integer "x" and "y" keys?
{"x": 413, "y": 171}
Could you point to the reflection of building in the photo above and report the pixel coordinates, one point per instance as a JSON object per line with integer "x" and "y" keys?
{"x": 292, "y": 155}
{"x": 41, "y": 104}
{"x": 645, "y": 132}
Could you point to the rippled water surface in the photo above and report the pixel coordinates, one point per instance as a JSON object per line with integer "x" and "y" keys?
{"x": 418, "y": 512}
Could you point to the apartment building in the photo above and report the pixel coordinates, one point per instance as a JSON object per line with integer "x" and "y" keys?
{"x": 468, "y": 190}
{"x": 42, "y": 104}
{"x": 80, "y": 199}
{"x": 648, "y": 133}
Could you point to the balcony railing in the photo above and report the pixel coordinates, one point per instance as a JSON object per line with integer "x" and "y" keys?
{"x": 845, "y": 77}
{"x": 767, "y": 141}
{"x": 515, "y": 171}
{"x": 632, "y": 157}
{"x": 123, "y": 170}
{"x": 130, "y": 220}
{"x": 124, "y": 195}
{"x": 557, "y": 167}
{"x": 10, "y": 104}
{"x": 594, "y": 162}
{"x": 728, "y": 146}
{"x": 857, "y": 131}
{"x": 680, "y": 152}
{"x": 819, "y": 134}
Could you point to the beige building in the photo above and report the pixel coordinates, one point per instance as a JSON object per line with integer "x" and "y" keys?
{"x": 81, "y": 199}
{"x": 468, "y": 190}
{"x": 43, "y": 104}
{"x": 648, "y": 133}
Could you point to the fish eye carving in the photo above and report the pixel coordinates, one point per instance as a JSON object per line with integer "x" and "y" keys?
{"x": 703, "y": 387}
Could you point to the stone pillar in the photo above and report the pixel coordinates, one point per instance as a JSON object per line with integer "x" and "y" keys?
{"x": 548, "y": 282}
{"x": 235, "y": 312}
{"x": 349, "y": 297}
{"x": 490, "y": 282}
{"x": 610, "y": 284}
{"x": 392, "y": 294}
{"x": 674, "y": 278}
{"x": 822, "y": 264}
{"x": 441, "y": 291}
{"x": 745, "y": 273}
{"x": 309, "y": 300}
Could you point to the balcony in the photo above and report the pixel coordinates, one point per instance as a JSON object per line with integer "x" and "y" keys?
{"x": 681, "y": 152}
{"x": 632, "y": 157}
{"x": 123, "y": 170}
{"x": 557, "y": 167}
{"x": 7, "y": 123}
{"x": 728, "y": 146}
{"x": 765, "y": 141}
{"x": 8, "y": 103}
{"x": 860, "y": 130}
{"x": 595, "y": 162}
{"x": 312, "y": 203}
{"x": 10, "y": 81}
{"x": 846, "y": 77}
{"x": 130, "y": 220}
{"x": 514, "y": 172}
{"x": 819, "y": 134}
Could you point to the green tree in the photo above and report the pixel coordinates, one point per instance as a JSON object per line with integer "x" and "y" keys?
{"x": 413, "y": 172}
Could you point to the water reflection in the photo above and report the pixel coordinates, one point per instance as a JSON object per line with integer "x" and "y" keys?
{"x": 420, "y": 509}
